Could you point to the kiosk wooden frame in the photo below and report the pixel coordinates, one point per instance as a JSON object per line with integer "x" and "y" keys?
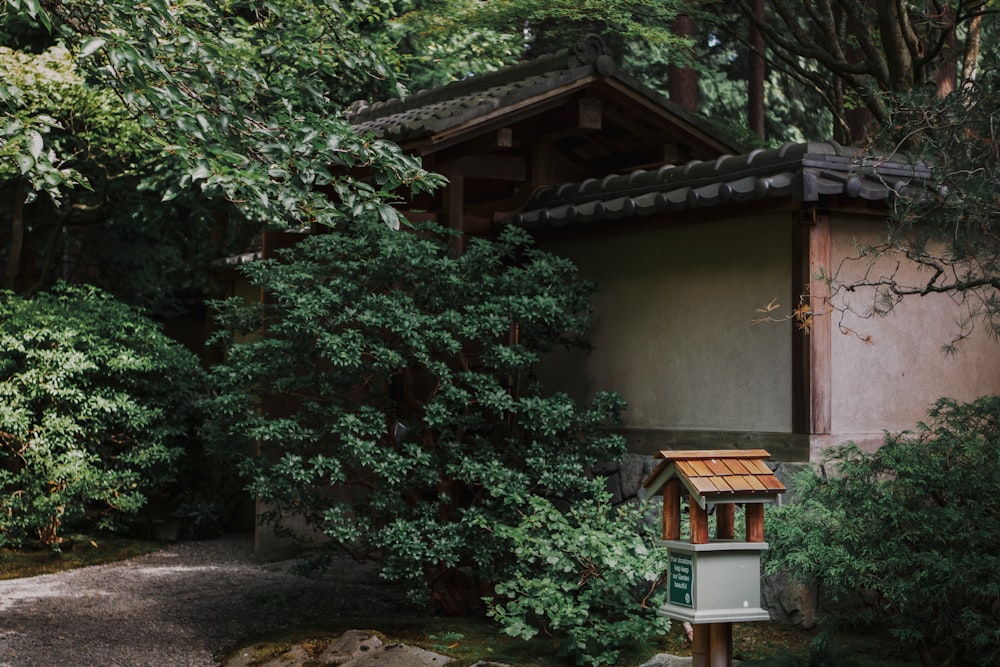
{"x": 714, "y": 582}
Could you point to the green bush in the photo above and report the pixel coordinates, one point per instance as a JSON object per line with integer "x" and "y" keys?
{"x": 390, "y": 401}
{"x": 589, "y": 575}
{"x": 911, "y": 530}
{"x": 95, "y": 411}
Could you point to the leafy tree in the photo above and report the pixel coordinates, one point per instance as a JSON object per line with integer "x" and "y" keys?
{"x": 188, "y": 123}
{"x": 944, "y": 223}
{"x": 723, "y": 61}
{"x": 912, "y": 530}
{"x": 556, "y": 25}
{"x": 397, "y": 410}
{"x": 79, "y": 189}
{"x": 867, "y": 49}
{"x": 95, "y": 411}
{"x": 588, "y": 575}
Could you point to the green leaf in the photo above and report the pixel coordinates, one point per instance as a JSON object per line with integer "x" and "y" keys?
{"x": 90, "y": 46}
{"x": 35, "y": 144}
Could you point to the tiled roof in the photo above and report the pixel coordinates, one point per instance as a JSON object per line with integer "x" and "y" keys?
{"x": 801, "y": 171}
{"x": 428, "y": 112}
{"x": 433, "y": 111}
{"x": 717, "y": 475}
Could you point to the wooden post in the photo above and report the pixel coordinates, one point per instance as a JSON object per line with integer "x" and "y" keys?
{"x": 699, "y": 645}
{"x": 672, "y": 509}
{"x": 755, "y": 522}
{"x": 725, "y": 521}
{"x": 455, "y": 211}
{"x": 720, "y": 645}
{"x": 821, "y": 332}
{"x": 699, "y": 523}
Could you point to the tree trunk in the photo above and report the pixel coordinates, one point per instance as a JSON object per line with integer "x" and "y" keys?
{"x": 947, "y": 70}
{"x": 970, "y": 60}
{"x": 683, "y": 82}
{"x": 16, "y": 246}
{"x": 755, "y": 75}
{"x": 892, "y": 22}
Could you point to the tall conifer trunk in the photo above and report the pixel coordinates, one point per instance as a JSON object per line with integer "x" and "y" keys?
{"x": 683, "y": 82}
{"x": 755, "y": 76}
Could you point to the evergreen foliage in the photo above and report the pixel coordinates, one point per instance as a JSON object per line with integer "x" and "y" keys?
{"x": 96, "y": 410}
{"x": 947, "y": 223}
{"x": 912, "y": 531}
{"x": 588, "y": 575}
{"x": 188, "y": 124}
{"x": 389, "y": 394}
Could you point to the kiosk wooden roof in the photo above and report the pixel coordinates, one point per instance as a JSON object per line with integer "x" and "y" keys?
{"x": 727, "y": 476}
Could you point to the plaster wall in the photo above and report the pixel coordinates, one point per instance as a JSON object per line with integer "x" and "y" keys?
{"x": 886, "y": 371}
{"x": 673, "y": 328}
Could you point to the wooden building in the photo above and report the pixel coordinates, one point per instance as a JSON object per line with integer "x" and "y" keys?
{"x": 689, "y": 236}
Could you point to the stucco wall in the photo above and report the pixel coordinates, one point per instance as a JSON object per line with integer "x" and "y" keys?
{"x": 673, "y": 331}
{"x": 887, "y": 381}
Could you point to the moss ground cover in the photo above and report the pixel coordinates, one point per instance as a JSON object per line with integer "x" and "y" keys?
{"x": 75, "y": 551}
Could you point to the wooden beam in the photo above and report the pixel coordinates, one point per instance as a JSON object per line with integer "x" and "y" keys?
{"x": 821, "y": 332}
{"x": 501, "y": 117}
{"x": 699, "y": 523}
{"x": 589, "y": 113}
{"x": 755, "y": 522}
{"x": 454, "y": 213}
{"x": 486, "y": 165}
{"x": 801, "y": 402}
{"x": 725, "y": 521}
{"x": 672, "y": 509}
{"x": 695, "y": 132}
{"x": 542, "y": 163}
{"x": 782, "y": 446}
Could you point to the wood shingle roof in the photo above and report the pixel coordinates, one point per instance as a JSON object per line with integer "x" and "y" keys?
{"x": 718, "y": 475}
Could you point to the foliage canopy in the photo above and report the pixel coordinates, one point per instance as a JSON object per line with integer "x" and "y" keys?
{"x": 588, "y": 575}
{"x": 96, "y": 409}
{"x": 912, "y": 529}
{"x": 400, "y": 375}
{"x": 212, "y": 117}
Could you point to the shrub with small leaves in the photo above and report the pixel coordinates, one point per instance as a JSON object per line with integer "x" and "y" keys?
{"x": 589, "y": 575}
{"x": 912, "y": 530}
{"x": 398, "y": 413}
{"x": 95, "y": 411}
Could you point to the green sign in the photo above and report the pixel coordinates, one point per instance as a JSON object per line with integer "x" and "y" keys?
{"x": 681, "y": 580}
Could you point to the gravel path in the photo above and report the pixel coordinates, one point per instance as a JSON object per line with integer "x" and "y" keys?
{"x": 178, "y": 607}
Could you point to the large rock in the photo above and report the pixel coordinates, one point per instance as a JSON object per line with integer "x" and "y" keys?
{"x": 788, "y": 601}
{"x": 352, "y": 649}
{"x": 399, "y": 655}
{"x": 632, "y": 472}
{"x": 787, "y": 472}
{"x": 667, "y": 660}
{"x": 352, "y": 644}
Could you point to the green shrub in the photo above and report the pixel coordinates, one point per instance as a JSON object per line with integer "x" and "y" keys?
{"x": 912, "y": 530}
{"x": 589, "y": 575}
{"x": 397, "y": 409}
{"x": 95, "y": 411}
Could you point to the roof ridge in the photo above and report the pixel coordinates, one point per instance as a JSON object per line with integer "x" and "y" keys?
{"x": 585, "y": 52}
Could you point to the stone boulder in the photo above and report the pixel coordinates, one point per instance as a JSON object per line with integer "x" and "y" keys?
{"x": 790, "y": 602}
{"x": 667, "y": 660}
{"x": 352, "y": 649}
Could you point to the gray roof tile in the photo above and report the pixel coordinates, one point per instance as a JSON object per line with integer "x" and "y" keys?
{"x": 800, "y": 171}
